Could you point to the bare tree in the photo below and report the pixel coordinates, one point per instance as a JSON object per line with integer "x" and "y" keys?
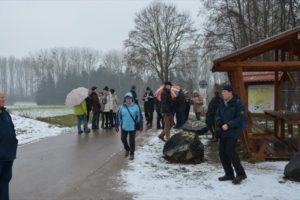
{"x": 160, "y": 32}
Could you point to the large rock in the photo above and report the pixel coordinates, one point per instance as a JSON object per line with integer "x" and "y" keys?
{"x": 196, "y": 127}
{"x": 292, "y": 169}
{"x": 184, "y": 147}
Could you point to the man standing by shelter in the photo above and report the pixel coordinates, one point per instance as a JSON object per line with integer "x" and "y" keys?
{"x": 229, "y": 118}
{"x": 167, "y": 111}
{"x": 8, "y": 149}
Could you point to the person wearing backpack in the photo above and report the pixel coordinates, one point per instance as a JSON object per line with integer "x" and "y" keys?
{"x": 229, "y": 118}
{"x": 130, "y": 120}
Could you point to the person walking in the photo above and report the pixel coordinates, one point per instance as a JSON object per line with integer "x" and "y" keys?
{"x": 197, "y": 103}
{"x": 108, "y": 108}
{"x": 96, "y": 108}
{"x": 167, "y": 111}
{"x": 148, "y": 99}
{"x": 229, "y": 119}
{"x": 115, "y": 101}
{"x": 81, "y": 114}
{"x": 8, "y": 148}
{"x": 180, "y": 106}
{"x": 133, "y": 91}
{"x": 211, "y": 112}
{"x": 159, "y": 117}
{"x": 128, "y": 117}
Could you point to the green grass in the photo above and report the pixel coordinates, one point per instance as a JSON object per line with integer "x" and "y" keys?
{"x": 61, "y": 121}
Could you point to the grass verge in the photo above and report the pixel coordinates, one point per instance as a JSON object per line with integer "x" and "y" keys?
{"x": 61, "y": 121}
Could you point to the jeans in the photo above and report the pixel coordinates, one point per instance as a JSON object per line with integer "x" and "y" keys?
{"x": 131, "y": 146}
{"x": 229, "y": 157}
{"x": 5, "y": 177}
{"x": 82, "y": 119}
{"x": 95, "y": 120}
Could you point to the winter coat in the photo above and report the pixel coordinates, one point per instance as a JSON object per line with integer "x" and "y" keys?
{"x": 109, "y": 103}
{"x": 148, "y": 99}
{"x": 211, "y": 110}
{"x": 124, "y": 118}
{"x": 8, "y": 139}
{"x": 231, "y": 114}
{"x": 166, "y": 102}
{"x": 197, "y": 102}
{"x": 80, "y": 109}
{"x": 96, "y": 103}
{"x": 180, "y": 103}
{"x": 134, "y": 96}
{"x": 101, "y": 103}
{"x": 115, "y": 100}
{"x": 157, "y": 105}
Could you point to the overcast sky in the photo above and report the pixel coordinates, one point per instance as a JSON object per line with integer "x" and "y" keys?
{"x": 27, "y": 26}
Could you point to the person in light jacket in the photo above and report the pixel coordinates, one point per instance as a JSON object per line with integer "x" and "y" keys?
{"x": 115, "y": 100}
{"x": 81, "y": 114}
{"x": 108, "y": 108}
{"x": 128, "y": 116}
{"x": 197, "y": 103}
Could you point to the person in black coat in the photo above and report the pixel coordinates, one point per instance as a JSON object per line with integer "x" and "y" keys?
{"x": 180, "y": 109}
{"x": 229, "y": 118}
{"x": 159, "y": 118}
{"x": 133, "y": 91}
{"x": 211, "y": 112}
{"x": 148, "y": 99}
{"x": 96, "y": 108}
{"x": 8, "y": 149}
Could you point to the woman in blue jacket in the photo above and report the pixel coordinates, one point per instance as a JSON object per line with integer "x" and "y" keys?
{"x": 128, "y": 116}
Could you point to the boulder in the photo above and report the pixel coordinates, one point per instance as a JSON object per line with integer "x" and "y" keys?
{"x": 184, "y": 147}
{"x": 292, "y": 169}
{"x": 196, "y": 127}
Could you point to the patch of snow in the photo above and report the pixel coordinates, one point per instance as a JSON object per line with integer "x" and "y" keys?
{"x": 149, "y": 176}
{"x": 30, "y": 130}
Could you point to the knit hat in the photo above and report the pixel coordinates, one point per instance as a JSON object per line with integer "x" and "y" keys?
{"x": 168, "y": 83}
{"x": 227, "y": 87}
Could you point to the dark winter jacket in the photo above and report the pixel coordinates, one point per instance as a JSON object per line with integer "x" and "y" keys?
{"x": 8, "y": 140}
{"x": 180, "y": 102}
{"x": 135, "y": 99}
{"x": 157, "y": 105}
{"x": 211, "y": 110}
{"x": 232, "y": 115}
{"x": 148, "y": 99}
{"x": 166, "y": 102}
{"x": 95, "y": 102}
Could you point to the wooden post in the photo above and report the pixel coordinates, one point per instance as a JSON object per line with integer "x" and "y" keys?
{"x": 277, "y": 95}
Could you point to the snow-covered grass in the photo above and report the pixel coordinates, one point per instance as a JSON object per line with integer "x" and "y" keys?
{"x": 34, "y": 111}
{"x": 149, "y": 176}
{"x": 30, "y": 130}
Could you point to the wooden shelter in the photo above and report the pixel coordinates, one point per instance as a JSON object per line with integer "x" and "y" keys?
{"x": 278, "y": 55}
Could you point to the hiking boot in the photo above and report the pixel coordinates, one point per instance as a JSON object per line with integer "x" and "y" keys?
{"x": 238, "y": 179}
{"x": 226, "y": 178}
{"x": 161, "y": 137}
{"x": 126, "y": 153}
{"x": 131, "y": 157}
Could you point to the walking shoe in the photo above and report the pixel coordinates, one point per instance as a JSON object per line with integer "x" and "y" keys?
{"x": 238, "y": 179}
{"x": 80, "y": 132}
{"x": 131, "y": 157}
{"x": 126, "y": 153}
{"x": 161, "y": 137}
{"x": 226, "y": 178}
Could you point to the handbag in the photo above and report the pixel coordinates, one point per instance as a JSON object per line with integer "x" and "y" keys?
{"x": 136, "y": 124}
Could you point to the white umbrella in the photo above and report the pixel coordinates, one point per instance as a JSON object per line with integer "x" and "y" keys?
{"x": 76, "y": 96}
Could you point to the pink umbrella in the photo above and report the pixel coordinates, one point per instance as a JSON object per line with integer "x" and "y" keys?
{"x": 76, "y": 96}
{"x": 174, "y": 91}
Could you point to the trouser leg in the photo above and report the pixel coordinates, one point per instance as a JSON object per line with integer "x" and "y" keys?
{"x": 5, "y": 177}
{"x": 225, "y": 160}
{"x": 132, "y": 141}
{"x": 124, "y": 135}
{"x": 234, "y": 157}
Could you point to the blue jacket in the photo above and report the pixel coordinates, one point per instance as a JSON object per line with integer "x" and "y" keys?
{"x": 232, "y": 115}
{"x": 8, "y": 140}
{"x": 125, "y": 120}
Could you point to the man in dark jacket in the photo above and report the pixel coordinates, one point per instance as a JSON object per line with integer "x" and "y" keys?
{"x": 133, "y": 91}
{"x": 212, "y": 110}
{"x": 8, "y": 149}
{"x": 148, "y": 99}
{"x": 159, "y": 117}
{"x": 229, "y": 118}
{"x": 96, "y": 108}
{"x": 180, "y": 107}
{"x": 167, "y": 111}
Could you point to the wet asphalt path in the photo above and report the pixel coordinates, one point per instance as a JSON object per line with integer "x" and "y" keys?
{"x": 71, "y": 167}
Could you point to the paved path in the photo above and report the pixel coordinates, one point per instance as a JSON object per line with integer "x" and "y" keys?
{"x": 71, "y": 167}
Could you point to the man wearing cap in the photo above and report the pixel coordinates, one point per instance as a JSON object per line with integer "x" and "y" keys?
{"x": 8, "y": 149}
{"x": 167, "y": 111}
{"x": 229, "y": 119}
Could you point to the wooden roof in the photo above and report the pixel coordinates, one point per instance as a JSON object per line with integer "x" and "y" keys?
{"x": 280, "y": 41}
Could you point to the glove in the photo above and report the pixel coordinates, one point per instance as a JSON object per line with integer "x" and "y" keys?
{"x": 117, "y": 129}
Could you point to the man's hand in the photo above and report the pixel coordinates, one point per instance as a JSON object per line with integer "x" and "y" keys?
{"x": 117, "y": 129}
{"x": 225, "y": 127}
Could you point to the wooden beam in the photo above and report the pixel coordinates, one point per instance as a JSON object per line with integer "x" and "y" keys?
{"x": 258, "y": 66}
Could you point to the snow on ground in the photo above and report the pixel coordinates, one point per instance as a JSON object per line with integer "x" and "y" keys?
{"x": 149, "y": 176}
{"x": 30, "y": 130}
